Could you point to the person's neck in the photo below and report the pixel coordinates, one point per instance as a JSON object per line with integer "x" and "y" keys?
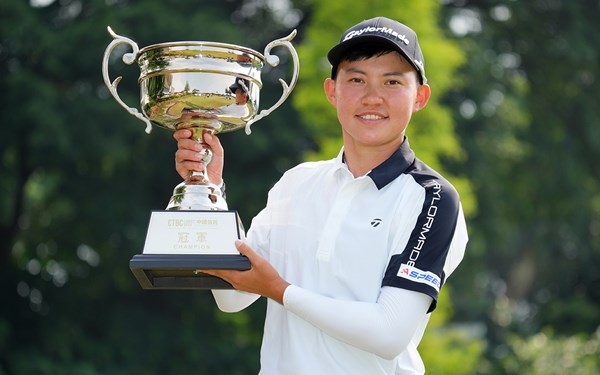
{"x": 361, "y": 160}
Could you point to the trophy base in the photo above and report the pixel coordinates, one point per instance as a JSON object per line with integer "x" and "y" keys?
{"x": 179, "y": 272}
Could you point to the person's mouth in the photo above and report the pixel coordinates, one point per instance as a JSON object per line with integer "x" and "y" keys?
{"x": 371, "y": 116}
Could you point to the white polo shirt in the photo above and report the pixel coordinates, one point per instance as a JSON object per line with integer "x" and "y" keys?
{"x": 401, "y": 225}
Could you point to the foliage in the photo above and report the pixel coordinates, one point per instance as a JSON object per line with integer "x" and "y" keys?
{"x": 550, "y": 354}
{"x": 513, "y": 123}
{"x": 450, "y": 349}
{"x": 80, "y": 178}
{"x": 530, "y": 129}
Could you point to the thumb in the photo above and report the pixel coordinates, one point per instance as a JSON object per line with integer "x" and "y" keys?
{"x": 244, "y": 249}
{"x": 211, "y": 139}
{"x": 214, "y": 143}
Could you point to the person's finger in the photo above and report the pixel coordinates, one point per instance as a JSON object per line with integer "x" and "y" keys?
{"x": 182, "y": 134}
{"x": 188, "y": 144}
{"x": 226, "y": 275}
{"x": 183, "y": 155}
{"x": 246, "y": 251}
{"x": 208, "y": 272}
{"x": 212, "y": 140}
{"x": 214, "y": 143}
{"x": 184, "y": 168}
{"x": 186, "y": 162}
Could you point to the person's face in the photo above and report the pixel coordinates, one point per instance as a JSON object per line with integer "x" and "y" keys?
{"x": 240, "y": 96}
{"x": 375, "y": 99}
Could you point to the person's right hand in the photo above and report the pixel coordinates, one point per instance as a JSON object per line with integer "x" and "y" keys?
{"x": 188, "y": 156}
{"x": 262, "y": 278}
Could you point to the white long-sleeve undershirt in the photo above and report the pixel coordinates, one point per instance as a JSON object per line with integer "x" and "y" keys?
{"x": 383, "y": 328}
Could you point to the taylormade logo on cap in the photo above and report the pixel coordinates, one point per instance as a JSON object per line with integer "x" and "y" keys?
{"x": 382, "y": 30}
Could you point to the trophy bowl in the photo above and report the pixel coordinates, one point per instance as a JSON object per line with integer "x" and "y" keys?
{"x": 203, "y": 86}
{"x": 207, "y": 87}
{"x": 194, "y": 84}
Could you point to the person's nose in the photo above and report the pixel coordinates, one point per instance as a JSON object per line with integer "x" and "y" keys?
{"x": 372, "y": 95}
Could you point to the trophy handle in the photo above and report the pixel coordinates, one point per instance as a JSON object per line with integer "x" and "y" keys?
{"x": 273, "y": 60}
{"x": 128, "y": 58}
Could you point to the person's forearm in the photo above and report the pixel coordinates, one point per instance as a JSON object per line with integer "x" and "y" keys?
{"x": 384, "y": 328}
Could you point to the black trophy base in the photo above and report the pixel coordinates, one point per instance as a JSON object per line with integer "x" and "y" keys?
{"x": 158, "y": 271}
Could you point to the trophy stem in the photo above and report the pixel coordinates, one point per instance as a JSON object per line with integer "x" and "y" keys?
{"x": 201, "y": 178}
{"x": 197, "y": 192}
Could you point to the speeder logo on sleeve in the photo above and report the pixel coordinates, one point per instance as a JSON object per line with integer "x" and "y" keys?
{"x": 419, "y": 276}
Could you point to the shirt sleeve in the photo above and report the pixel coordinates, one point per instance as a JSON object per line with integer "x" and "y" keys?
{"x": 384, "y": 328}
{"x": 438, "y": 238}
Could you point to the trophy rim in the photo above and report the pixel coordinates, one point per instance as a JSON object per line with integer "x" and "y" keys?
{"x": 201, "y": 44}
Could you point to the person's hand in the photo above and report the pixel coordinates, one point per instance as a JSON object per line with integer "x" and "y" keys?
{"x": 261, "y": 278}
{"x": 188, "y": 157}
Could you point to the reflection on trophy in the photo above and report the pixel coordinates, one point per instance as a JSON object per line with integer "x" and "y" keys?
{"x": 206, "y": 87}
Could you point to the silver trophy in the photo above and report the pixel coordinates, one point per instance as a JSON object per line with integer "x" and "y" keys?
{"x": 206, "y": 87}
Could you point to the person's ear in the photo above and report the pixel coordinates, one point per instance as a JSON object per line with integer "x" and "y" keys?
{"x": 423, "y": 94}
{"x": 329, "y": 88}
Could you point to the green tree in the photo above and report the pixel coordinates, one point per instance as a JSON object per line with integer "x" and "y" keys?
{"x": 451, "y": 349}
{"x": 79, "y": 180}
{"x": 528, "y": 116}
{"x": 551, "y": 354}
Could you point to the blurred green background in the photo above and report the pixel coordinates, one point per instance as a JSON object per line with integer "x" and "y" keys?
{"x": 514, "y": 122}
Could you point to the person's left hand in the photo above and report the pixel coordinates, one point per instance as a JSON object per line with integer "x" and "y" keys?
{"x": 261, "y": 278}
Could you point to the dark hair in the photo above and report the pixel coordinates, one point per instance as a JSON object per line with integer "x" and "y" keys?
{"x": 362, "y": 52}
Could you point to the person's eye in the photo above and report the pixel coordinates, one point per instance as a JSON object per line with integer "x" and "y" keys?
{"x": 356, "y": 80}
{"x": 394, "y": 82}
